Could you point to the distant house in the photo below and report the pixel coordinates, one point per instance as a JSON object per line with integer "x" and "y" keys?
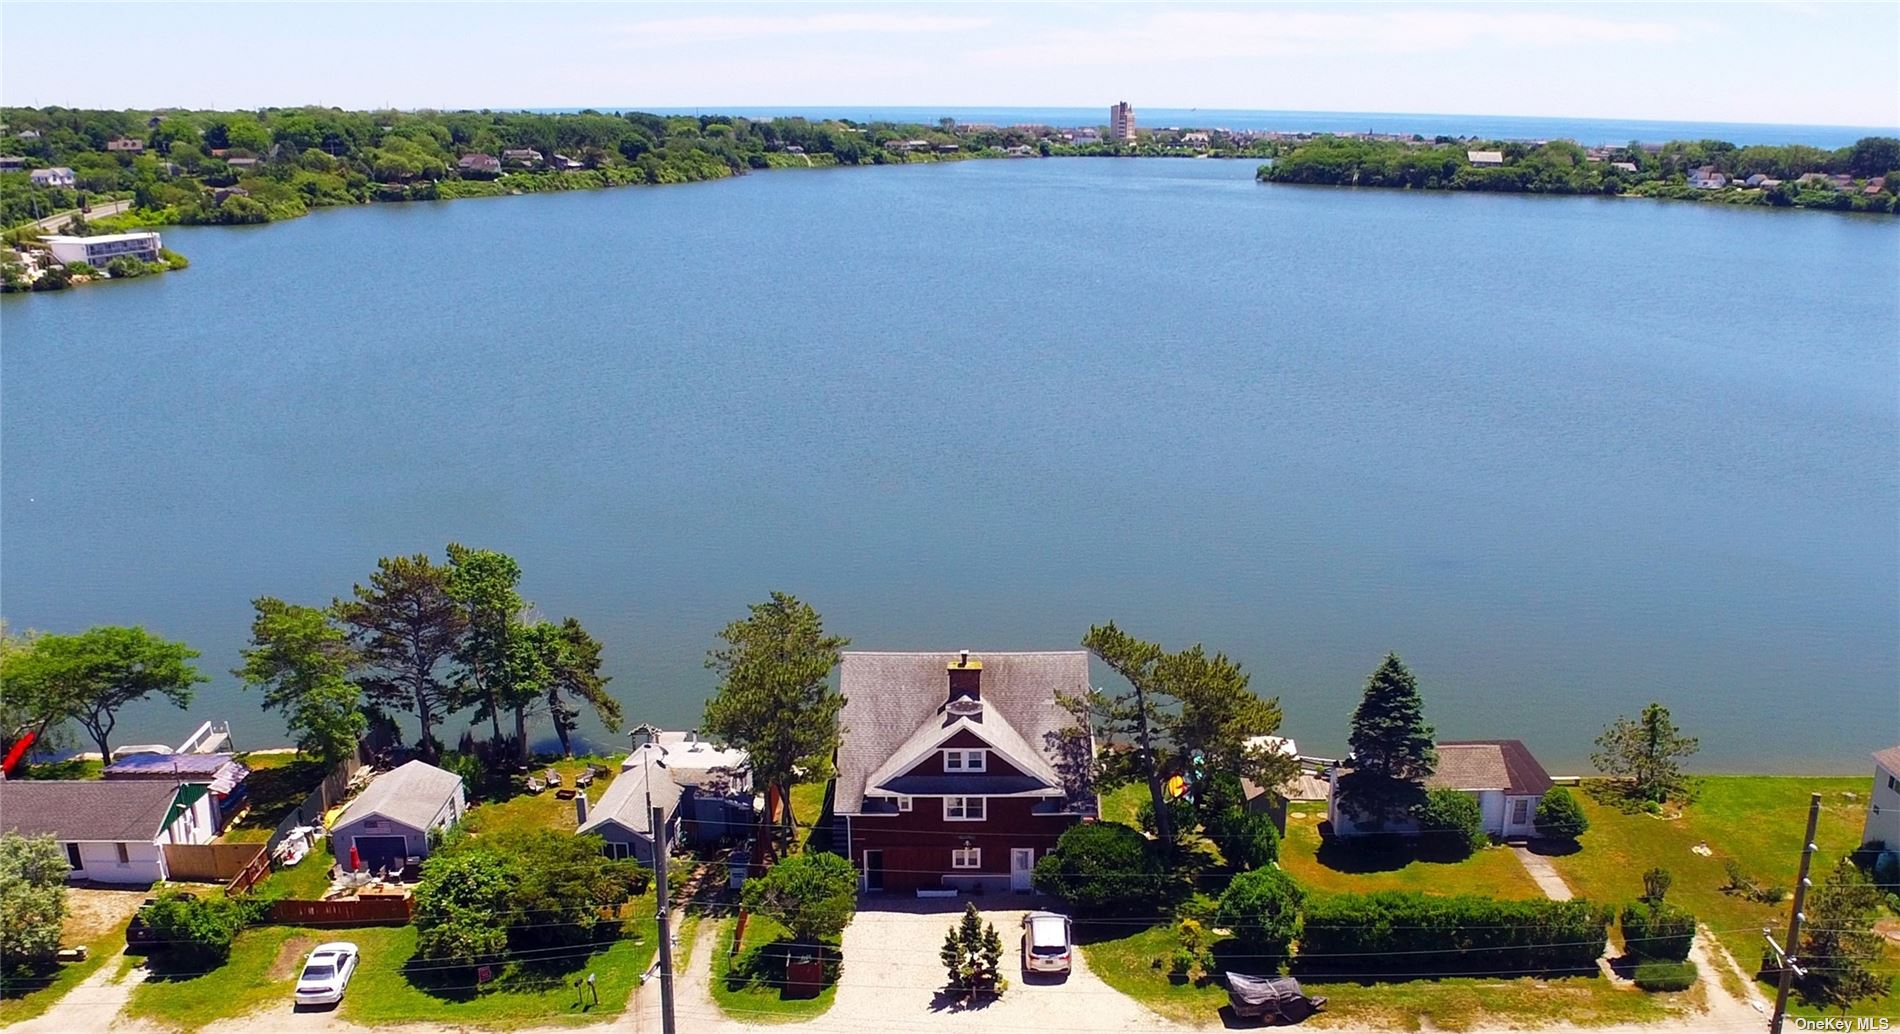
{"x": 1083, "y": 138}
{"x": 1019, "y": 151}
{"x": 57, "y": 176}
{"x": 223, "y": 194}
{"x": 561, "y": 161}
{"x": 1875, "y": 185}
{"x": 1770, "y": 183}
{"x": 1624, "y": 166}
{"x": 222, "y": 774}
{"x": 958, "y": 772}
{"x": 715, "y": 782}
{"x": 1755, "y": 180}
{"x": 389, "y": 822}
{"x": 96, "y": 251}
{"x": 131, "y": 145}
{"x": 946, "y": 148}
{"x": 244, "y": 163}
{"x": 1883, "y": 804}
{"x": 111, "y": 831}
{"x": 28, "y": 134}
{"x": 623, "y": 819}
{"x": 1503, "y": 775}
{"x": 521, "y": 156}
{"x": 484, "y": 164}
{"x": 1196, "y": 138}
{"x": 1485, "y": 157}
{"x": 1809, "y": 179}
{"x": 1272, "y": 801}
{"x": 1706, "y": 178}
{"x": 12, "y": 162}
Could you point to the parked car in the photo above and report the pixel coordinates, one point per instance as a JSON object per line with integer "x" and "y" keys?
{"x": 140, "y": 936}
{"x": 326, "y": 973}
{"x": 1047, "y": 945}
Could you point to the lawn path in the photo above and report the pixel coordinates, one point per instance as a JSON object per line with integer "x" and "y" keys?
{"x": 90, "y": 1006}
{"x": 1548, "y": 879}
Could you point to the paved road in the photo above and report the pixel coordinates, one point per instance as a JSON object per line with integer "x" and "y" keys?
{"x": 56, "y": 223}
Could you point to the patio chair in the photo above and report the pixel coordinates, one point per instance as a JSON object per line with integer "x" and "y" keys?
{"x": 536, "y": 785}
{"x": 585, "y": 779}
{"x": 553, "y": 777}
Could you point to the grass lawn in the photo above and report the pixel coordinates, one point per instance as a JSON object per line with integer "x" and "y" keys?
{"x": 71, "y": 768}
{"x": 529, "y": 811}
{"x": 1365, "y": 867}
{"x": 1122, "y": 803}
{"x": 1756, "y": 820}
{"x": 1456, "y": 1003}
{"x": 749, "y": 990}
{"x": 260, "y": 971}
{"x": 808, "y": 808}
{"x": 308, "y": 880}
{"x": 276, "y": 785}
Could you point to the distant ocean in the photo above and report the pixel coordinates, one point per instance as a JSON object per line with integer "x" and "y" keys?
{"x": 1492, "y": 127}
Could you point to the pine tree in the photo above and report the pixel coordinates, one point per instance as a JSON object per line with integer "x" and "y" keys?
{"x": 1839, "y": 947}
{"x": 972, "y": 954}
{"x": 1391, "y": 749}
{"x": 1648, "y": 751}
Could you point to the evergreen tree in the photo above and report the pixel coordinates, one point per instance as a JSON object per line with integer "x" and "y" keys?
{"x": 1839, "y": 947}
{"x": 302, "y": 661}
{"x": 406, "y": 625}
{"x": 483, "y": 583}
{"x": 574, "y": 678}
{"x": 1391, "y": 749}
{"x": 1648, "y": 751}
{"x": 972, "y": 954}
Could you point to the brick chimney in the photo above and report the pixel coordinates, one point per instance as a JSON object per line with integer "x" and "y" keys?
{"x": 966, "y": 676}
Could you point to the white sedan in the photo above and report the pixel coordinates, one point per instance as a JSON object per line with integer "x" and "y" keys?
{"x": 326, "y": 973}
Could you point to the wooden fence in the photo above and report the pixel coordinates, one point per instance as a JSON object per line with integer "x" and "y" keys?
{"x": 331, "y": 792}
{"x": 373, "y": 911}
{"x": 209, "y": 863}
{"x": 252, "y": 874}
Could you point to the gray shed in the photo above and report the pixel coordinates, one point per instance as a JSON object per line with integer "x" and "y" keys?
{"x": 390, "y": 821}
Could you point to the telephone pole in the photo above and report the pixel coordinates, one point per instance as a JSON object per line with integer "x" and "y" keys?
{"x": 658, "y": 817}
{"x": 1790, "y": 966}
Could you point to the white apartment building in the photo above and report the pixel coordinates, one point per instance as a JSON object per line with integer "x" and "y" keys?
{"x": 97, "y": 251}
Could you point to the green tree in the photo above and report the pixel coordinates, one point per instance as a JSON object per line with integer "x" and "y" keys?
{"x": 1648, "y": 752}
{"x": 484, "y": 583}
{"x": 1452, "y": 821}
{"x": 302, "y": 661}
{"x": 1262, "y": 907}
{"x": 574, "y": 679}
{"x": 32, "y": 900}
{"x": 90, "y": 676}
{"x": 1133, "y": 713}
{"x": 196, "y": 932}
{"x": 1839, "y": 947}
{"x": 814, "y": 894}
{"x": 972, "y": 954}
{"x": 1104, "y": 868}
{"x": 26, "y": 708}
{"x": 1392, "y": 752}
{"x": 1559, "y": 816}
{"x": 775, "y": 697}
{"x": 406, "y": 626}
{"x": 459, "y": 904}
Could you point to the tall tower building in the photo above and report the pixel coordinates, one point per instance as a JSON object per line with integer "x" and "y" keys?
{"x": 1121, "y": 122}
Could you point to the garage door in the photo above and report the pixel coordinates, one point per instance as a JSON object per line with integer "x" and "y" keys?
{"x": 382, "y": 852}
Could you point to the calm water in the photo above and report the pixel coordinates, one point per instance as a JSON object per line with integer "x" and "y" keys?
{"x": 1564, "y": 455}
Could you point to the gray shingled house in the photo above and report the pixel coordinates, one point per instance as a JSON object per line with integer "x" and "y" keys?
{"x": 390, "y": 821}
{"x": 621, "y": 818}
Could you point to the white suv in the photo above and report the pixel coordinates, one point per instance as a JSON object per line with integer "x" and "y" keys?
{"x": 1046, "y": 943}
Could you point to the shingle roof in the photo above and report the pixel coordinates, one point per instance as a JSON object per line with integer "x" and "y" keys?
{"x": 988, "y": 725}
{"x": 411, "y": 795}
{"x": 1889, "y": 759}
{"x": 625, "y": 801}
{"x": 1489, "y": 765}
{"x": 86, "y": 809}
{"x": 890, "y": 696}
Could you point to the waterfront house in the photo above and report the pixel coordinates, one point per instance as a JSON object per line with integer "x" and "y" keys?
{"x": 12, "y": 162}
{"x": 1485, "y": 157}
{"x": 524, "y": 156}
{"x": 57, "y": 176}
{"x": 1756, "y": 180}
{"x": 714, "y": 782}
{"x": 112, "y": 831}
{"x": 480, "y": 164}
{"x": 565, "y": 163}
{"x": 223, "y": 194}
{"x": 129, "y": 145}
{"x": 623, "y": 817}
{"x": 1883, "y": 804}
{"x": 244, "y": 163}
{"x": 1624, "y": 166}
{"x": 1813, "y": 179}
{"x": 1706, "y": 178}
{"x": 221, "y": 774}
{"x": 1503, "y": 775}
{"x": 1875, "y": 185}
{"x": 97, "y": 251}
{"x": 389, "y": 822}
{"x": 958, "y": 771}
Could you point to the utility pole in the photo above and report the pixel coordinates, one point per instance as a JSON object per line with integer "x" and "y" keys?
{"x": 1790, "y": 966}
{"x": 658, "y": 817}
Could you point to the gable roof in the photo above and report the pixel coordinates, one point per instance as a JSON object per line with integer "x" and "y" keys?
{"x": 86, "y": 809}
{"x": 625, "y": 801}
{"x": 412, "y": 794}
{"x": 893, "y": 700}
{"x": 1889, "y": 759}
{"x": 988, "y": 725}
{"x": 1505, "y": 765}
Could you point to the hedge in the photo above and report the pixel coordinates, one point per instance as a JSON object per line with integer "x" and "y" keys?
{"x": 1658, "y": 931}
{"x": 1401, "y": 931}
{"x": 1665, "y": 976}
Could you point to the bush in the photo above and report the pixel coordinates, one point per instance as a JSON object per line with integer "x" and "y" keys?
{"x": 1452, "y": 821}
{"x": 1656, "y": 930}
{"x": 172, "y": 259}
{"x": 1180, "y": 809}
{"x": 1198, "y": 907}
{"x": 1559, "y": 816}
{"x": 1420, "y": 933}
{"x": 194, "y": 931}
{"x": 1104, "y": 868}
{"x": 1248, "y": 840}
{"x": 519, "y": 890}
{"x": 1262, "y": 908}
{"x": 32, "y": 900}
{"x": 972, "y": 954}
{"x": 81, "y": 269}
{"x": 1656, "y": 884}
{"x": 1665, "y": 976}
{"x": 815, "y": 895}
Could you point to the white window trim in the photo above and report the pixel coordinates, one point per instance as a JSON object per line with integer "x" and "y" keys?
{"x": 903, "y": 803}
{"x": 982, "y": 807}
{"x": 964, "y": 756}
{"x": 959, "y": 854}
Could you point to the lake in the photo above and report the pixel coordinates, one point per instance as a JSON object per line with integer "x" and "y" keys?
{"x": 1564, "y": 455}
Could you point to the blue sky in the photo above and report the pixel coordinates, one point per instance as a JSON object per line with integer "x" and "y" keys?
{"x": 1760, "y": 62}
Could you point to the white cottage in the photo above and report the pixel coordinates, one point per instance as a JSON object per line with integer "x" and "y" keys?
{"x": 389, "y": 822}
{"x": 1503, "y": 775}
{"x": 112, "y": 832}
{"x": 1883, "y": 805}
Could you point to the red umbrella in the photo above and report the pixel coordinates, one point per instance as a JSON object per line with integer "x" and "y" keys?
{"x": 356, "y": 860}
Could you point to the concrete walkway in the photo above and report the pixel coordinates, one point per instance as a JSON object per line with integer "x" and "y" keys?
{"x": 90, "y": 1006}
{"x": 1546, "y": 876}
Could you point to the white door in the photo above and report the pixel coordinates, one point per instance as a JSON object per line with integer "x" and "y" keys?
{"x": 1021, "y": 861}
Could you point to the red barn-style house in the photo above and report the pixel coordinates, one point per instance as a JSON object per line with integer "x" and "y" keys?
{"x": 958, "y": 770}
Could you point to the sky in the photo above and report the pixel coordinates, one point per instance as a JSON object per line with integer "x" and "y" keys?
{"x": 1808, "y": 63}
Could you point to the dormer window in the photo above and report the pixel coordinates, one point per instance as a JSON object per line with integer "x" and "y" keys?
{"x": 965, "y": 760}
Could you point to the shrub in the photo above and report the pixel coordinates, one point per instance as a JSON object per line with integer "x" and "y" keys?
{"x": 1656, "y": 930}
{"x": 1262, "y": 908}
{"x": 196, "y": 931}
{"x": 172, "y": 259}
{"x": 1665, "y": 976}
{"x": 32, "y": 899}
{"x": 81, "y": 269}
{"x": 519, "y": 890}
{"x": 1421, "y": 933}
{"x": 1192, "y": 958}
{"x": 1559, "y": 816}
{"x": 1198, "y": 907}
{"x": 815, "y": 895}
{"x": 1180, "y": 809}
{"x": 1452, "y": 821}
{"x": 1656, "y": 884}
{"x": 972, "y": 954}
{"x": 1104, "y": 868}
{"x": 1248, "y": 840}
{"x": 1738, "y": 880}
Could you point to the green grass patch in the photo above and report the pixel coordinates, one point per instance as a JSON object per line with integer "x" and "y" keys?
{"x": 71, "y": 768}
{"x": 1756, "y": 820}
{"x": 259, "y": 973}
{"x": 308, "y": 880}
{"x": 748, "y": 988}
{"x": 25, "y": 994}
{"x": 524, "y": 810}
{"x": 1375, "y": 863}
{"x": 276, "y": 785}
